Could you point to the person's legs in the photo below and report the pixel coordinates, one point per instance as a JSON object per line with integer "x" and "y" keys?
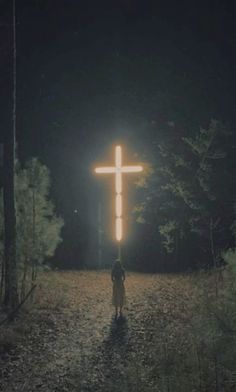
{"x": 116, "y": 314}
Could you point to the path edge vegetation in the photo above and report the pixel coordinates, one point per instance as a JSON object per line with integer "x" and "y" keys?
{"x": 38, "y": 231}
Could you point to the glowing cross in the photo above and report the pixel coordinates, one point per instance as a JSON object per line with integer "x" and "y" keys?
{"x": 118, "y": 169}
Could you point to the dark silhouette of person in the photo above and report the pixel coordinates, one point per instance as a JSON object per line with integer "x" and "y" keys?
{"x": 118, "y": 292}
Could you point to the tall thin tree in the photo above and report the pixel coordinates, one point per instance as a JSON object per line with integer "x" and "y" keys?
{"x": 11, "y": 292}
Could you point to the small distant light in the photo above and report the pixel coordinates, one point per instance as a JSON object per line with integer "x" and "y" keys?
{"x": 76, "y": 211}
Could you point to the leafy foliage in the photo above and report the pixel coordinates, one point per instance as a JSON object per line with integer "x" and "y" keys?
{"x": 184, "y": 196}
{"x": 38, "y": 228}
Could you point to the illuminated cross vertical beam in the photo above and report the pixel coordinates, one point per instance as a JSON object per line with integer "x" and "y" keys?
{"x": 118, "y": 170}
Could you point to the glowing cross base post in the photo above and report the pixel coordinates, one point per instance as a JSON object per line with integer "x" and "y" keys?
{"x": 118, "y": 170}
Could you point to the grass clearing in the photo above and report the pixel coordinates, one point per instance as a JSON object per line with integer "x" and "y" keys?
{"x": 170, "y": 339}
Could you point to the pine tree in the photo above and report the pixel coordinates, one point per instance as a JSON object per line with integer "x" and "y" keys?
{"x": 189, "y": 193}
{"x": 37, "y": 227}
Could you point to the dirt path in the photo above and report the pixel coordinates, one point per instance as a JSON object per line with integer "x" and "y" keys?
{"x": 77, "y": 345}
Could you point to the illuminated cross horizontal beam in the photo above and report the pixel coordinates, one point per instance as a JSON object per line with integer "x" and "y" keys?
{"x": 118, "y": 170}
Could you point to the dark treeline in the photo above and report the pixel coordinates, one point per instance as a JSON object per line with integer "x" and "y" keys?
{"x": 187, "y": 199}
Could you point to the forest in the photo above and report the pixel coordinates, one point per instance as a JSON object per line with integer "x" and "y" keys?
{"x": 76, "y": 82}
{"x": 178, "y": 330}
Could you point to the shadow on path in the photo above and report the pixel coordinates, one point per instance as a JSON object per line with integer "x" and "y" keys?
{"x": 114, "y": 350}
{"x": 118, "y": 334}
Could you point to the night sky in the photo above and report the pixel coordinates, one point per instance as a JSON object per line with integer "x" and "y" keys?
{"x": 90, "y": 75}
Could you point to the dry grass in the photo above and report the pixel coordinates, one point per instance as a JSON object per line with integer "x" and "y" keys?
{"x": 68, "y": 340}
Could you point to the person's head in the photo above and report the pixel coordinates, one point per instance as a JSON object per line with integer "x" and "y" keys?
{"x": 117, "y": 263}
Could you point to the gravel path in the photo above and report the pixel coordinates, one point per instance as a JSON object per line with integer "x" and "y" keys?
{"x": 77, "y": 345}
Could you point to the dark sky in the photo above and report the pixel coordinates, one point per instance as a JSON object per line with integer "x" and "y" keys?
{"x": 92, "y": 73}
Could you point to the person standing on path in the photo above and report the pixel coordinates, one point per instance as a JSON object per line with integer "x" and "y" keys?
{"x": 118, "y": 293}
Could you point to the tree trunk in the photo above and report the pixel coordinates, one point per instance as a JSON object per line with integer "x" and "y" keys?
{"x": 23, "y": 281}
{"x": 2, "y": 279}
{"x": 218, "y": 375}
{"x": 214, "y": 259}
{"x": 11, "y": 293}
{"x": 212, "y": 243}
{"x": 34, "y": 261}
